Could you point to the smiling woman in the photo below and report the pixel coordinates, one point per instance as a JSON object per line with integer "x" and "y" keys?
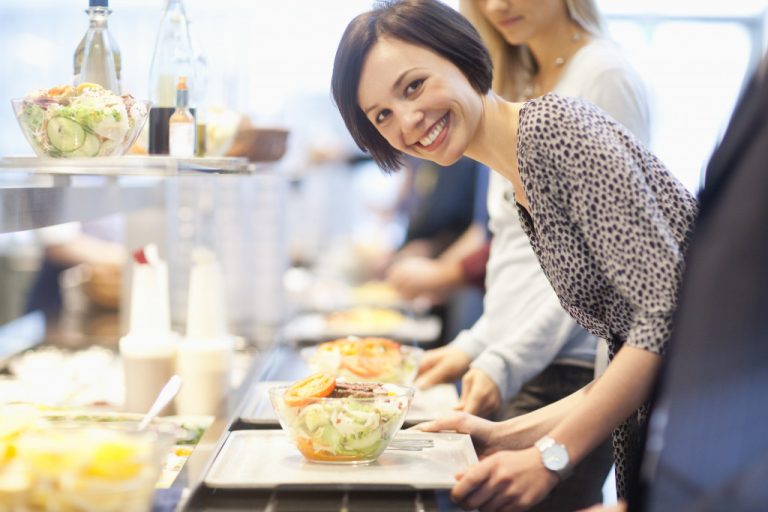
{"x": 429, "y": 98}
{"x": 608, "y": 223}
{"x": 451, "y": 37}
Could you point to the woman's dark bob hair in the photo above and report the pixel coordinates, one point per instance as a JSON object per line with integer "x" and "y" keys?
{"x": 427, "y": 23}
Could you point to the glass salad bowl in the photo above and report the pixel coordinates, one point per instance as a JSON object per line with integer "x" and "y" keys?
{"x": 83, "y": 468}
{"x": 337, "y": 422}
{"x": 366, "y": 359}
{"x": 83, "y": 121}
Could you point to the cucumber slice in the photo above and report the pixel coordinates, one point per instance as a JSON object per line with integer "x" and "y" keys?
{"x": 65, "y": 134}
{"x": 90, "y": 147}
{"x": 364, "y": 442}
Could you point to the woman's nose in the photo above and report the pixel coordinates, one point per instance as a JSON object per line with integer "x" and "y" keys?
{"x": 412, "y": 117}
{"x": 411, "y": 129}
{"x": 496, "y": 5}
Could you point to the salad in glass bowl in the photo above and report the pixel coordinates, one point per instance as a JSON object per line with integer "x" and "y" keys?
{"x": 365, "y": 359}
{"x": 82, "y": 121}
{"x": 77, "y": 467}
{"x": 331, "y": 421}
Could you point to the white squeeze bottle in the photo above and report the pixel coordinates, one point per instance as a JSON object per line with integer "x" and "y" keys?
{"x": 204, "y": 357}
{"x": 181, "y": 125}
{"x": 148, "y": 350}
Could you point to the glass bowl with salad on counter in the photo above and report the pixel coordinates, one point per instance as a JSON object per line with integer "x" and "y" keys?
{"x": 80, "y": 122}
{"x": 365, "y": 359}
{"x": 77, "y": 466}
{"x": 338, "y": 422}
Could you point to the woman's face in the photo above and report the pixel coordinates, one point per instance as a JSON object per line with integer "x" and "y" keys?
{"x": 519, "y": 21}
{"x": 420, "y": 102}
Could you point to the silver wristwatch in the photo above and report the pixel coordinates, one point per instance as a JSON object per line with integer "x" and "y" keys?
{"x": 554, "y": 456}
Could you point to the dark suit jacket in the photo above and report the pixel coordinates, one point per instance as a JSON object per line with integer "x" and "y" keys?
{"x": 707, "y": 447}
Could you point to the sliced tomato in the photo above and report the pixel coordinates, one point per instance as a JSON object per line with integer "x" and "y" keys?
{"x": 308, "y": 450}
{"x": 356, "y": 365}
{"x": 372, "y": 357}
{"x": 314, "y": 386}
{"x": 380, "y": 346}
{"x": 385, "y": 351}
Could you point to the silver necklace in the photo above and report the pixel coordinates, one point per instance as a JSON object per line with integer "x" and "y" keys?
{"x": 530, "y": 91}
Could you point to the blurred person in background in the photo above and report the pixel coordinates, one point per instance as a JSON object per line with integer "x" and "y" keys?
{"x": 608, "y": 222}
{"x": 440, "y": 204}
{"x": 93, "y": 244}
{"x": 526, "y": 351}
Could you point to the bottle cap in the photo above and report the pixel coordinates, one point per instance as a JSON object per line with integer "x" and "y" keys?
{"x": 98, "y": 3}
{"x": 182, "y": 93}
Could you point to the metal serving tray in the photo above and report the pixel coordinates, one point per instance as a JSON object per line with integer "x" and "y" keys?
{"x": 312, "y": 327}
{"x": 267, "y": 459}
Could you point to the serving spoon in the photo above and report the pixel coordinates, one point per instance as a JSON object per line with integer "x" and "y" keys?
{"x": 163, "y": 398}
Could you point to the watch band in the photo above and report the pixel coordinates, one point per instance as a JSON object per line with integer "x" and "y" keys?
{"x": 554, "y": 456}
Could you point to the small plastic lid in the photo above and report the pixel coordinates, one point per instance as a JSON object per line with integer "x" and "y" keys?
{"x": 98, "y": 3}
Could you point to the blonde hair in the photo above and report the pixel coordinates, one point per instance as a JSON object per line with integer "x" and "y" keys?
{"x": 514, "y": 65}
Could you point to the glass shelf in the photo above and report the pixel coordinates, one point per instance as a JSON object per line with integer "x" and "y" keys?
{"x": 38, "y": 192}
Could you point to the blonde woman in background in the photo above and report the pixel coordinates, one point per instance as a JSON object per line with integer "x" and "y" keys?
{"x": 526, "y": 351}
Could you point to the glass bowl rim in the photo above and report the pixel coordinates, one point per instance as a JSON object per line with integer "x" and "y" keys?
{"x": 403, "y": 392}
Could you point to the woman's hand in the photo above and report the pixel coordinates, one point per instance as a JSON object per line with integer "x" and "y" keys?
{"x": 481, "y": 431}
{"x": 507, "y": 480}
{"x": 433, "y": 278}
{"x": 479, "y": 394}
{"x": 444, "y": 364}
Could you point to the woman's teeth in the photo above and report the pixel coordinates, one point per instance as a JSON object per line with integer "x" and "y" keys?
{"x": 434, "y": 132}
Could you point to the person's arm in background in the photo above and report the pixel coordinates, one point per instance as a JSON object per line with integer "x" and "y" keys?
{"x": 519, "y": 350}
{"x": 522, "y": 330}
{"x": 83, "y": 248}
{"x": 448, "y": 363}
{"x": 436, "y": 277}
{"x": 473, "y": 266}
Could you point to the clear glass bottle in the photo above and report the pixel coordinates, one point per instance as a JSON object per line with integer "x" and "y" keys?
{"x": 173, "y": 58}
{"x": 181, "y": 125}
{"x": 97, "y": 57}
{"x": 199, "y": 98}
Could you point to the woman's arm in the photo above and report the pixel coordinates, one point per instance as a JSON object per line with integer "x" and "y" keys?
{"x": 513, "y": 434}
{"x": 583, "y": 419}
{"x": 624, "y": 386}
{"x": 518, "y": 478}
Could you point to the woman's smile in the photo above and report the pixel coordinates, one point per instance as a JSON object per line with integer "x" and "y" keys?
{"x": 436, "y": 134}
{"x": 421, "y": 103}
{"x": 509, "y": 21}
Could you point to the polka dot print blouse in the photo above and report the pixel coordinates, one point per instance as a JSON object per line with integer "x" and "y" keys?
{"x": 610, "y": 226}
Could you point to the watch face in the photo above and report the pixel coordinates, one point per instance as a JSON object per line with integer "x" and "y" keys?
{"x": 555, "y": 457}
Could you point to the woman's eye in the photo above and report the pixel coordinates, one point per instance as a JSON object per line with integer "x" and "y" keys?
{"x": 413, "y": 86}
{"x": 382, "y": 116}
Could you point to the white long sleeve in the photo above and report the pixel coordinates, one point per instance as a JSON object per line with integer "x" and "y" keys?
{"x": 524, "y": 328}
